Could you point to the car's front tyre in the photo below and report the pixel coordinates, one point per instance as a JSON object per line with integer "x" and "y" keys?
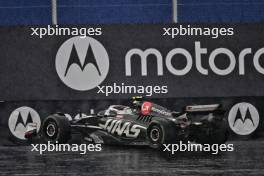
{"x": 56, "y": 128}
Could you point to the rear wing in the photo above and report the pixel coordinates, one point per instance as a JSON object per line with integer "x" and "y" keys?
{"x": 202, "y": 108}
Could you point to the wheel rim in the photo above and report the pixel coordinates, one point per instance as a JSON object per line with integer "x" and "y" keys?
{"x": 154, "y": 135}
{"x": 51, "y": 130}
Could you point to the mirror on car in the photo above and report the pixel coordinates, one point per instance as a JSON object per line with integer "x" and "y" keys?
{"x": 111, "y": 114}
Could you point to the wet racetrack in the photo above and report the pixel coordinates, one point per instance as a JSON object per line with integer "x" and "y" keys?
{"x": 247, "y": 159}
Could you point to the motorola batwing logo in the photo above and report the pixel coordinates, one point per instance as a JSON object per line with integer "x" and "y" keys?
{"x": 20, "y": 118}
{"x": 243, "y": 118}
{"x": 82, "y": 63}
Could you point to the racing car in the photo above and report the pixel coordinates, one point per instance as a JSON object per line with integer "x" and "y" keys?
{"x": 144, "y": 122}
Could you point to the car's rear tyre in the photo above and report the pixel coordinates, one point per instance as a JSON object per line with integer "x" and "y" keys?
{"x": 159, "y": 134}
{"x": 155, "y": 136}
{"x": 56, "y": 128}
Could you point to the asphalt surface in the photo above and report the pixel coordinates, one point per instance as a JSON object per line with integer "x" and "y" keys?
{"x": 247, "y": 159}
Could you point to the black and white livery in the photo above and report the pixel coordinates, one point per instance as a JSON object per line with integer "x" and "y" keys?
{"x": 144, "y": 122}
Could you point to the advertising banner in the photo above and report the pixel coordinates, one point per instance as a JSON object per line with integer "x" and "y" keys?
{"x": 118, "y": 61}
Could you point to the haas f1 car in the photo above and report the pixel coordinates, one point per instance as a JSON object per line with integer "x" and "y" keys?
{"x": 144, "y": 122}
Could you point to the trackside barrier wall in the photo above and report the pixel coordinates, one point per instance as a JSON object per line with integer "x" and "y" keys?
{"x": 76, "y": 109}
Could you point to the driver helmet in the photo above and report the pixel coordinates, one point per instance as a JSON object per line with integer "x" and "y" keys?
{"x": 137, "y": 101}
